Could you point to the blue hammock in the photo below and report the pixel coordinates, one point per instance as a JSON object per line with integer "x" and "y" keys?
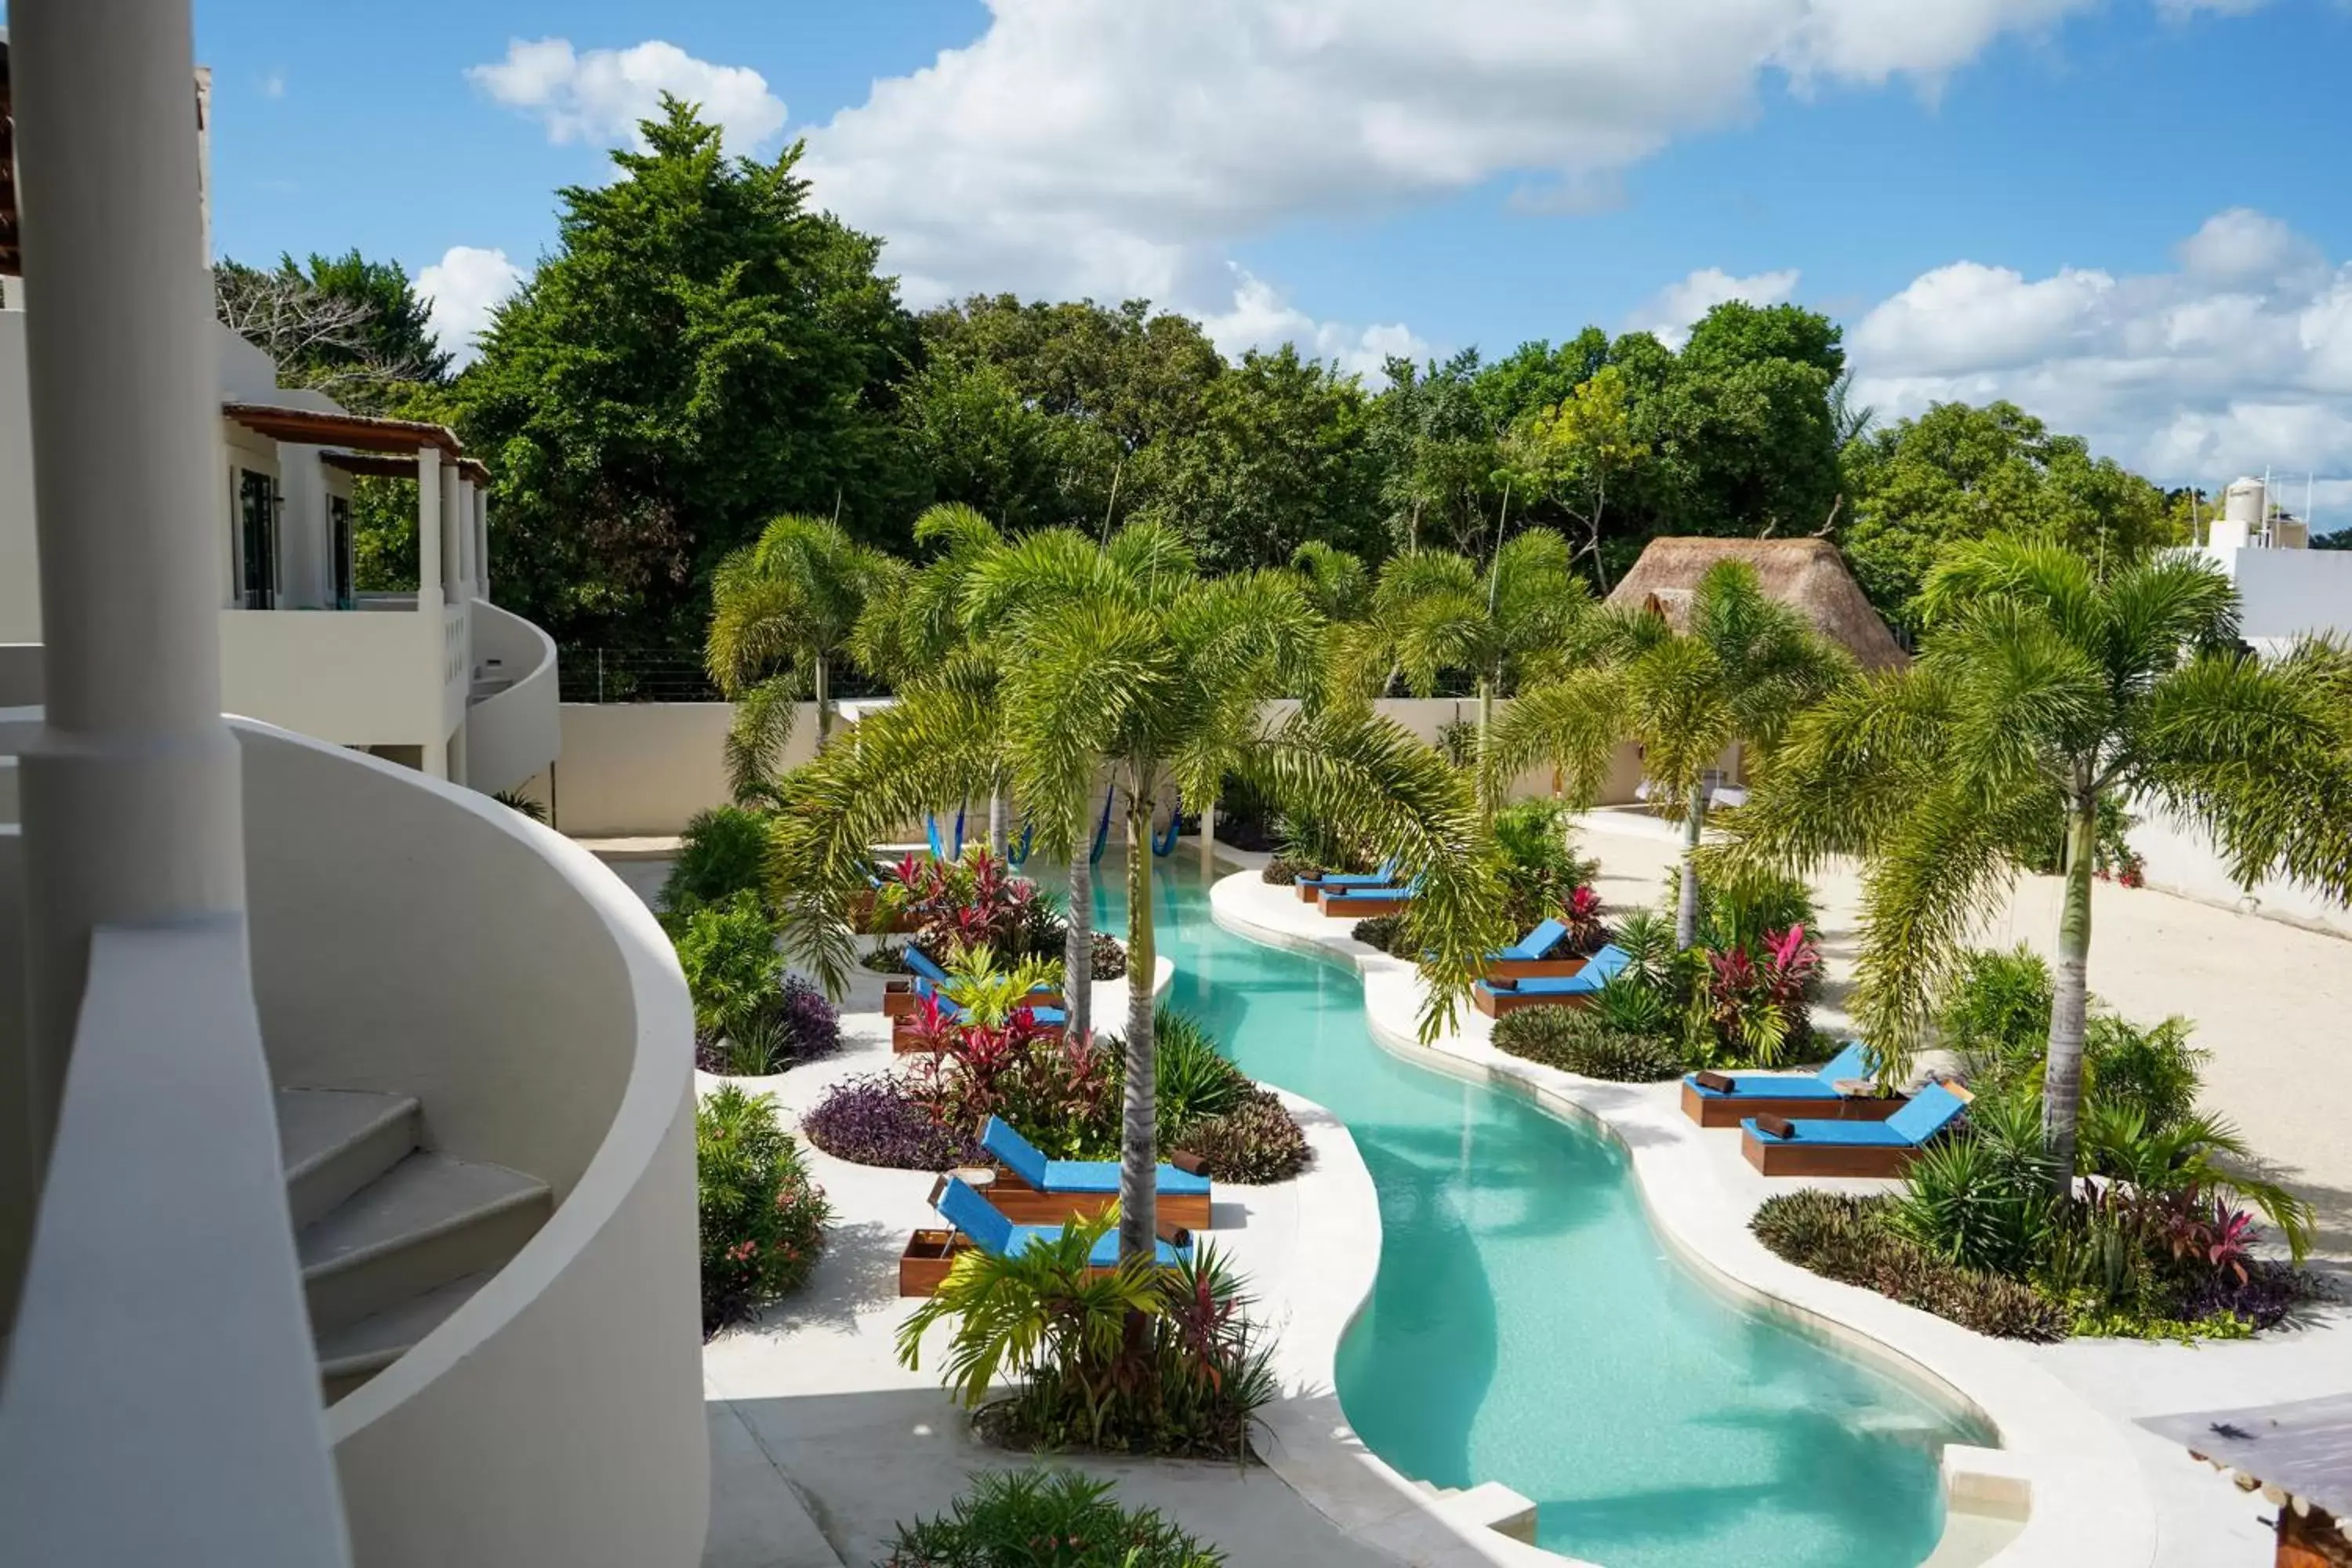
{"x": 1102, "y": 828}
{"x": 931, "y": 831}
{"x": 1164, "y": 844}
{"x": 1020, "y": 858}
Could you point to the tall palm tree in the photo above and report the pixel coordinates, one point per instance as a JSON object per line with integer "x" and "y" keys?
{"x": 784, "y": 610}
{"x": 1433, "y": 612}
{"x": 1742, "y": 668}
{"x": 1123, "y": 658}
{"x": 2048, "y": 684}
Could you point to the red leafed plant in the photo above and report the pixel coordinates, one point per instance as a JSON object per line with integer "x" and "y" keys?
{"x": 1760, "y": 1005}
{"x": 1582, "y": 915}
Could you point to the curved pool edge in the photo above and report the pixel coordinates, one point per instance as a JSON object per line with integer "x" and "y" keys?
{"x": 2062, "y": 1464}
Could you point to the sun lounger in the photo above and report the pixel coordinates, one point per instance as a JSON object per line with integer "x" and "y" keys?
{"x": 980, "y": 1224}
{"x": 1498, "y": 998}
{"x": 1363, "y": 902}
{"x": 1310, "y": 888}
{"x": 1529, "y": 958}
{"x": 1816, "y": 1095}
{"x": 1826, "y": 1148}
{"x": 1030, "y": 1187}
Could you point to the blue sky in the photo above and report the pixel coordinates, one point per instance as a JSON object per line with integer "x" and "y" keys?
{"x": 1996, "y": 196}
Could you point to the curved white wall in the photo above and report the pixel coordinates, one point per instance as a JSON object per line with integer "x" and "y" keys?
{"x": 513, "y": 735}
{"x": 409, "y": 935}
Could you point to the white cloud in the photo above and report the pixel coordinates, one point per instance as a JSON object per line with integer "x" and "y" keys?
{"x": 274, "y": 84}
{"x": 1673, "y": 310}
{"x": 1117, "y": 147}
{"x": 2239, "y": 362}
{"x": 1258, "y": 317}
{"x": 461, "y": 290}
{"x": 599, "y": 96}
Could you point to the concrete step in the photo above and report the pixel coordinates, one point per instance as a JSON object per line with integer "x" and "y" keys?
{"x": 427, "y": 1222}
{"x": 334, "y": 1141}
{"x": 350, "y": 1355}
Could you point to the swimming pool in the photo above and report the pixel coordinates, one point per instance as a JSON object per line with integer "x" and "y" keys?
{"x": 1526, "y": 1326}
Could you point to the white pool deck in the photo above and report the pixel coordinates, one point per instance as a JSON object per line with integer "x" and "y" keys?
{"x": 822, "y": 1442}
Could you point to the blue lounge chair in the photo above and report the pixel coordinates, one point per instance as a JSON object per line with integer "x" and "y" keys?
{"x": 1813, "y": 1094}
{"x": 1376, "y": 900}
{"x": 1379, "y": 879}
{"x": 1538, "y": 944}
{"x": 963, "y": 1207}
{"x": 1061, "y": 1187}
{"x": 1496, "y": 1000}
{"x": 1818, "y": 1148}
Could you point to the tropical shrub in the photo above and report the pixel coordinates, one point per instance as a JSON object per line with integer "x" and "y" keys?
{"x": 763, "y": 1220}
{"x": 1740, "y": 905}
{"x": 879, "y": 1120}
{"x": 1109, "y": 957}
{"x": 1995, "y": 1012}
{"x": 1987, "y": 1200}
{"x": 801, "y": 1025}
{"x": 1135, "y": 1359}
{"x": 1758, "y": 1007}
{"x": 889, "y": 958}
{"x": 1192, "y": 1081}
{"x": 1284, "y": 870}
{"x": 1385, "y": 932}
{"x": 1256, "y": 1142}
{"x": 1541, "y": 869}
{"x": 1048, "y": 1519}
{"x": 728, "y": 951}
{"x": 1586, "y": 918}
{"x": 1581, "y": 1041}
{"x": 1850, "y": 1239}
{"x": 2152, "y": 1070}
{"x": 722, "y": 852}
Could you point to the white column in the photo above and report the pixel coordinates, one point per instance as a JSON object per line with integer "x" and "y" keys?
{"x": 453, "y": 564}
{"x": 132, "y": 806}
{"x": 434, "y": 761}
{"x": 482, "y": 538}
{"x": 428, "y": 537}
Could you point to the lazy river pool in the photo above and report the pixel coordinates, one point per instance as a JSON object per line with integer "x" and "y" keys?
{"x": 1528, "y": 1327}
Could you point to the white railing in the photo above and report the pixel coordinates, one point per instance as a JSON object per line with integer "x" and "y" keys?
{"x": 161, "y": 1336}
{"x": 512, "y": 735}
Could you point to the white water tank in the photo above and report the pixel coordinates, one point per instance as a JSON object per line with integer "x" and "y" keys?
{"x": 2242, "y": 503}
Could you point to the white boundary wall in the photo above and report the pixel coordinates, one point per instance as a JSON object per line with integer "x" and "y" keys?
{"x": 2182, "y": 861}
{"x": 642, "y": 768}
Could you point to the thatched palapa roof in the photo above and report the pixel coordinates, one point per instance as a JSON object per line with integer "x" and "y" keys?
{"x": 1806, "y": 574}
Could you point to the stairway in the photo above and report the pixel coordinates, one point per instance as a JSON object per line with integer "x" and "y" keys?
{"x": 391, "y": 1236}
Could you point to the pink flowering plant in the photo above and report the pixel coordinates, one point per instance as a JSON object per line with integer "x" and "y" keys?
{"x": 762, "y": 1218}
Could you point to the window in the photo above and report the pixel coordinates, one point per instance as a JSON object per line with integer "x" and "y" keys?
{"x": 257, "y": 514}
{"x": 339, "y": 548}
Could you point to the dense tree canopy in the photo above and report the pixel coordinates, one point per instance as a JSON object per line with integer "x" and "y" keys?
{"x": 700, "y": 353}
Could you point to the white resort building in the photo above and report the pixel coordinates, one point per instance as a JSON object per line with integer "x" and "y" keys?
{"x": 346, "y": 1154}
{"x": 2286, "y": 588}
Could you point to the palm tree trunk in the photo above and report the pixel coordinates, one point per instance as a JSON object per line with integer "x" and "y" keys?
{"x": 1486, "y": 722}
{"x": 2061, "y": 1078}
{"x": 1079, "y": 944}
{"x": 997, "y": 841}
{"x": 823, "y": 701}
{"x": 1687, "y": 906}
{"x": 1139, "y": 1175}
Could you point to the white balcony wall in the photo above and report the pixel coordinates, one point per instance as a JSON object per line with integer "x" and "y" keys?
{"x": 412, "y": 937}
{"x": 2288, "y": 593}
{"x": 356, "y": 680}
{"x": 513, "y": 734}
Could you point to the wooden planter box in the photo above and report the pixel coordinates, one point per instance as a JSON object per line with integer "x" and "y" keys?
{"x": 1731, "y": 1110}
{"x": 1024, "y": 1204}
{"x": 1777, "y": 1158}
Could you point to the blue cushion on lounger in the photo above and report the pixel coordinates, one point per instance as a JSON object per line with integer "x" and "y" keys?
{"x": 963, "y": 1207}
{"x": 1021, "y": 1158}
{"x": 1850, "y": 1063}
{"x": 1355, "y": 878}
{"x": 1930, "y": 1112}
{"x": 1533, "y": 946}
{"x": 922, "y": 963}
{"x": 1610, "y": 960}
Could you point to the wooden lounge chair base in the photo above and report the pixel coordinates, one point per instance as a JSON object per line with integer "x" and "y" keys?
{"x": 1776, "y": 1158}
{"x": 1362, "y": 909}
{"x": 898, "y": 1000}
{"x": 1024, "y": 1204}
{"x": 1535, "y": 968}
{"x": 1731, "y": 1110}
{"x": 1501, "y": 1004}
{"x": 923, "y": 1266}
{"x": 908, "y": 1041}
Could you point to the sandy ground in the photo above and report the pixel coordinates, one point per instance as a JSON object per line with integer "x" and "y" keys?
{"x": 2272, "y": 1003}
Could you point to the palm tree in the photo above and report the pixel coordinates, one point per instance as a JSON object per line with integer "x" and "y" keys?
{"x": 1743, "y": 668}
{"x": 2049, "y": 683}
{"x": 783, "y": 612}
{"x": 1433, "y": 612}
{"x": 1122, "y": 659}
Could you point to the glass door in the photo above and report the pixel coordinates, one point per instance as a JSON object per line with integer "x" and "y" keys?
{"x": 258, "y": 538}
{"x": 339, "y": 547}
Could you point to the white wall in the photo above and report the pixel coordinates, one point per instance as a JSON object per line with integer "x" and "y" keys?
{"x": 513, "y": 735}
{"x": 357, "y": 679}
{"x": 20, "y": 588}
{"x": 2181, "y": 859}
{"x": 2291, "y": 593}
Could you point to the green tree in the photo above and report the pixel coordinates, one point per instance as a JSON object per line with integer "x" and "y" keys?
{"x": 346, "y": 326}
{"x": 1741, "y": 673}
{"x": 1574, "y": 451}
{"x": 700, "y": 353}
{"x": 1434, "y": 613}
{"x": 1280, "y": 456}
{"x": 784, "y": 611}
{"x": 1434, "y": 438}
{"x": 1958, "y": 473}
{"x": 1137, "y": 376}
{"x": 1124, "y": 658}
{"x": 2049, "y": 682}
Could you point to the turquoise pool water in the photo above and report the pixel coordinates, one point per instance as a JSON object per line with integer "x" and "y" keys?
{"x": 1528, "y": 1328}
